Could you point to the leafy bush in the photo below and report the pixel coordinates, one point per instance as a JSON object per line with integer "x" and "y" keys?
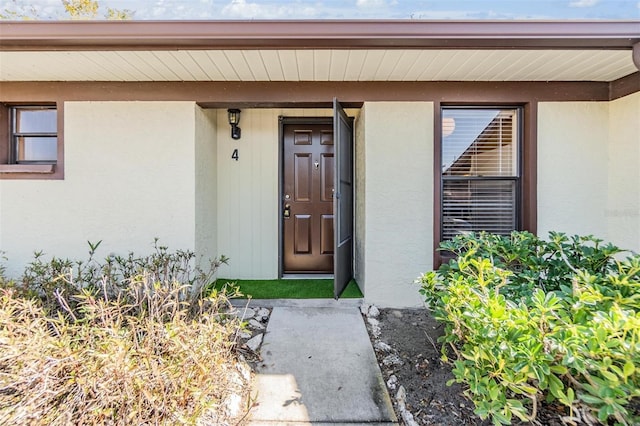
{"x": 134, "y": 342}
{"x": 529, "y": 319}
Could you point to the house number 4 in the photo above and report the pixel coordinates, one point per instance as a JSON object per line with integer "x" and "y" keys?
{"x": 235, "y": 155}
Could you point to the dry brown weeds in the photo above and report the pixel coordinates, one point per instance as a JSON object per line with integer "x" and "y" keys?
{"x": 149, "y": 356}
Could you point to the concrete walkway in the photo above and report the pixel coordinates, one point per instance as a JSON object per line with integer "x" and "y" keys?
{"x": 319, "y": 369}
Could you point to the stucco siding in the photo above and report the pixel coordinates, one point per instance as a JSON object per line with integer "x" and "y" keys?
{"x": 360, "y": 185}
{"x": 623, "y": 206}
{"x": 128, "y": 179}
{"x": 573, "y": 140}
{"x": 398, "y": 200}
{"x": 139, "y": 170}
{"x": 206, "y": 239}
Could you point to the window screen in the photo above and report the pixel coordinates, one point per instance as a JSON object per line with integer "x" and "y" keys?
{"x": 34, "y": 135}
{"x": 480, "y": 170}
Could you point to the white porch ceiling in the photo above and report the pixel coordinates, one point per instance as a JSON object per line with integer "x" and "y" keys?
{"x": 317, "y": 65}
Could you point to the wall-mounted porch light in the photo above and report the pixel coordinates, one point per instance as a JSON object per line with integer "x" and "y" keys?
{"x": 234, "y": 120}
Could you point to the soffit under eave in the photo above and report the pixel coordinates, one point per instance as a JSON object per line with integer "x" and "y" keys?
{"x": 318, "y": 65}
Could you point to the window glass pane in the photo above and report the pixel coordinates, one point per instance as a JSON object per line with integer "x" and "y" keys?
{"x": 36, "y": 121}
{"x": 29, "y": 148}
{"x": 478, "y": 205}
{"x": 479, "y": 142}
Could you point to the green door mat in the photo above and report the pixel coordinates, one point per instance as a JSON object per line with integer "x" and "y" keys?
{"x": 290, "y": 288}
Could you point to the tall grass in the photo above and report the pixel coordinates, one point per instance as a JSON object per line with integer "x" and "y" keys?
{"x": 127, "y": 341}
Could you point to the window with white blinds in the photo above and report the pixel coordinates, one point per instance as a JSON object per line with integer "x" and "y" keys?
{"x": 480, "y": 170}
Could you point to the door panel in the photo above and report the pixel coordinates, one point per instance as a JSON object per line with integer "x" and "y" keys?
{"x": 302, "y": 177}
{"x": 343, "y": 206}
{"x": 326, "y": 229}
{"x": 302, "y": 233}
{"x": 308, "y": 187}
{"x": 327, "y": 178}
{"x": 302, "y": 137}
{"x": 326, "y": 137}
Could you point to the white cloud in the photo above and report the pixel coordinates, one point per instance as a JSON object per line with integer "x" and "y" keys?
{"x": 241, "y": 9}
{"x": 43, "y": 9}
{"x": 583, "y": 3}
{"x": 441, "y": 14}
{"x": 371, "y": 3}
{"x": 372, "y": 9}
{"x": 473, "y": 14}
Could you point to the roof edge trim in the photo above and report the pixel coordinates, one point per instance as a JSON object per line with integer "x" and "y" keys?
{"x": 346, "y": 34}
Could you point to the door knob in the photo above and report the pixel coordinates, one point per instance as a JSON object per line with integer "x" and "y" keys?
{"x": 287, "y": 211}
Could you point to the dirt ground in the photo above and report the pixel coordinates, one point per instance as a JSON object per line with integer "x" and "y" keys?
{"x": 412, "y": 335}
{"x": 413, "y": 357}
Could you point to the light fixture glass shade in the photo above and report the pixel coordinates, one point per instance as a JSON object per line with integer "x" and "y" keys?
{"x": 234, "y": 116}
{"x": 448, "y": 126}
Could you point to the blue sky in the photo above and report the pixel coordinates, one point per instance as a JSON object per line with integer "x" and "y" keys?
{"x": 351, "y": 9}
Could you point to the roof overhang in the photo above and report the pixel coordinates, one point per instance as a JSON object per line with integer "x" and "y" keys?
{"x": 355, "y": 50}
{"x": 344, "y": 34}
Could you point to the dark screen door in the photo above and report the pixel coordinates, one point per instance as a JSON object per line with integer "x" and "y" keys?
{"x": 343, "y": 205}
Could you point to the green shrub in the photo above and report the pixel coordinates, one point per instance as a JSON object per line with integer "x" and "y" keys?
{"x": 529, "y": 320}
{"x": 136, "y": 345}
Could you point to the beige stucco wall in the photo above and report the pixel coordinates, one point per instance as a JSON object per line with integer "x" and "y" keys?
{"x": 129, "y": 177}
{"x": 206, "y": 184}
{"x": 623, "y": 203}
{"x": 573, "y": 140}
{"x": 398, "y": 199}
{"x": 360, "y": 186}
{"x": 588, "y": 174}
{"x": 139, "y": 170}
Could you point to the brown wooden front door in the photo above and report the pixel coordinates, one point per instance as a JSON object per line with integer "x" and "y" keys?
{"x": 307, "y": 204}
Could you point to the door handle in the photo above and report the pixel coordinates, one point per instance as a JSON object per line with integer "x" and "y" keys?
{"x": 287, "y": 211}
